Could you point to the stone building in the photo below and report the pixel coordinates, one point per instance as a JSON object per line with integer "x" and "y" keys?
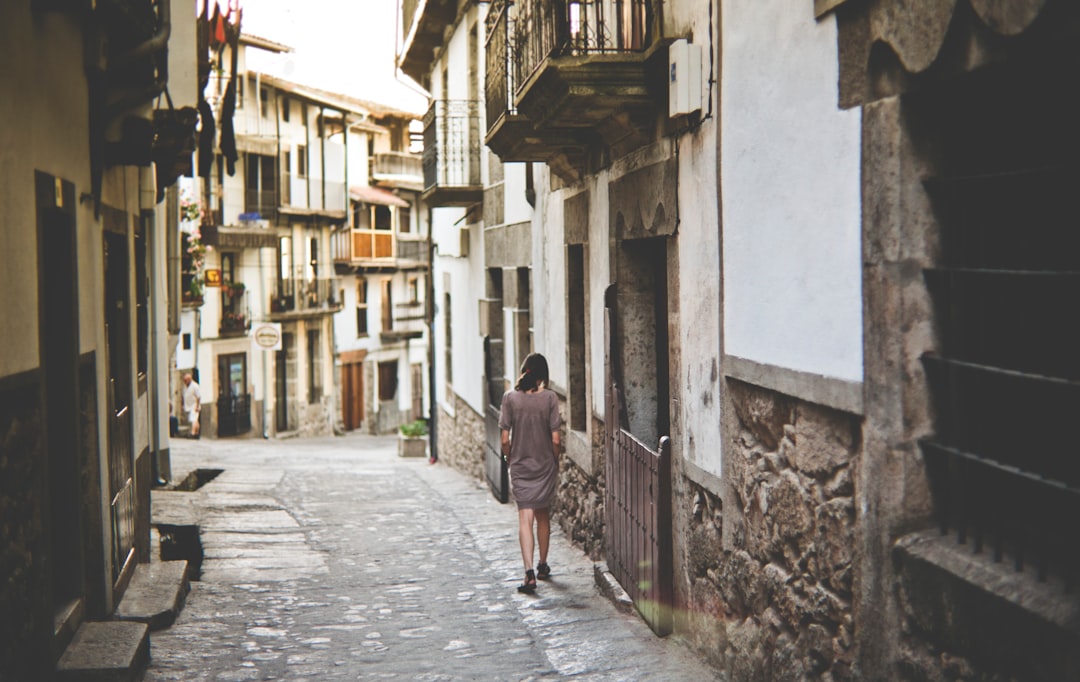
{"x": 801, "y": 276}
{"x": 481, "y": 229}
{"x": 382, "y": 256}
{"x": 90, "y": 146}
{"x": 287, "y": 227}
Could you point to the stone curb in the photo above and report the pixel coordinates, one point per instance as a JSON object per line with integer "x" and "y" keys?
{"x": 610, "y": 588}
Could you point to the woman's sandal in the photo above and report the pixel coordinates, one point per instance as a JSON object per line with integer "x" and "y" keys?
{"x": 543, "y": 571}
{"x": 529, "y": 586}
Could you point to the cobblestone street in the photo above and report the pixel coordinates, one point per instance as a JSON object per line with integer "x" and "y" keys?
{"x": 335, "y": 559}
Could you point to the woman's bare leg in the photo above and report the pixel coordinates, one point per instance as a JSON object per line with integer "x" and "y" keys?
{"x": 525, "y": 535}
{"x": 543, "y": 532}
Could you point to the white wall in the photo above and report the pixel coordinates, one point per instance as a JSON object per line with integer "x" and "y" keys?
{"x": 790, "y": 193}
{"x": 467, "y": 287}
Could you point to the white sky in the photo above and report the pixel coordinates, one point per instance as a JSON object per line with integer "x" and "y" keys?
{"x": 344, "y": 46}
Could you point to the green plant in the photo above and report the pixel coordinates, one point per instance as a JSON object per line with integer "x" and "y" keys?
{"x": 414, "y": 429}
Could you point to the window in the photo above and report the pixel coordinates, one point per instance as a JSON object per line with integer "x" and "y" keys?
{"x": 361, "y": 308}
{"x": 260, "y": 178}
{"x": 405, "y": 220}
{"x": 314, "y": 366}
{"x": 447, "y": 330}
{"x": 388, "y": 380}
{"x": 186, "y": 337}
{"x": 286, "y": 105}
{"x": 387, "y": 306}
{"x": 576, "y": 346}
{"x": 301, "y": 160}
{"x": 382, "y": 218}
{"x": 414, "y": 289}
{"x": 264, "y": 102}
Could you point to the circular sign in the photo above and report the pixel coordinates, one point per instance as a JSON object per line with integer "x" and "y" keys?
{"x": 267, "y": 335}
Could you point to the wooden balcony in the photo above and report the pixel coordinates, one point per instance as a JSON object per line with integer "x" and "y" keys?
{"x": 452, "y": 153}
{"x": 564, "y": 77}
{"x": 376, "y": 249}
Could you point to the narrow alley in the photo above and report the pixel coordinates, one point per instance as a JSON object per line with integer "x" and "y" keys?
{"x": 335, "y": 559}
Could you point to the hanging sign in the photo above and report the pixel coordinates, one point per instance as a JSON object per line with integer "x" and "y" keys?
{"x": 267, "y": 335}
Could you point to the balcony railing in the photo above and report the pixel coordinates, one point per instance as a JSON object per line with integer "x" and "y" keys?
{"x": 263, "y": 202}
{"x": 397, "y": 166}
{"x": 553, "y": 29}
{"x": 564, "y": 76}
{"x": 499, "y": 85}
{"x": 235, "y": 313}
{"x": 300, "y": 296}
{"x": 452, "y": 153}
{"x": 412, "y": 250}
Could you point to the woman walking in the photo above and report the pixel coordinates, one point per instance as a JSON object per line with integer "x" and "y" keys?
{"x": 530, "y": 442}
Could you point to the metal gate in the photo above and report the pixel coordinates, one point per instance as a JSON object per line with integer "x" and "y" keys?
{"x": 637, "y": 503}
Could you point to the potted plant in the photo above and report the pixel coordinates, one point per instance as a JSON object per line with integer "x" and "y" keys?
{"x": 412, "y": 439}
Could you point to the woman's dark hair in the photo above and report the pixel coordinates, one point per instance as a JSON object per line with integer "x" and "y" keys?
{"x": 534, "y": 371}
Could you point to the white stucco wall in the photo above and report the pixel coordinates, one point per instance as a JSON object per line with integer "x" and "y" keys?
{"x": 790, "y": 188}
{"x": 699, "y": 439}
{"x": 467, "y": 286}
{"x": 549, "y": 282}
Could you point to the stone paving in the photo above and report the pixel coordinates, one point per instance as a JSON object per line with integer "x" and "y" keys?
{"x": 334, "y": 559}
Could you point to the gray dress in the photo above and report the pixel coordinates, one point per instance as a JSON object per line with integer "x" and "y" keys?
{"x": 534, "y": 471}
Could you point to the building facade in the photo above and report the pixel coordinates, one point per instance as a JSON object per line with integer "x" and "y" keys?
{"x": 90, "y": 148}
{"x": 318, "y": 176}
{"x": 382, "y": 257}
{"x": 803, "y": 351}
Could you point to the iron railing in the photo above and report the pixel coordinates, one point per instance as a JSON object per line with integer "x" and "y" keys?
{"x": 637, "y": 500}
{"x": 299, "y": 294}
{"x": 552, "y": 28}
{"x": 263, "y": 202}
{"x": 452, "y": 144}
{"x": 498, "y": 79}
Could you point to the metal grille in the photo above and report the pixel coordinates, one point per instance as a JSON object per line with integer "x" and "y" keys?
{"x": 1006, "y": 384}
{"x": 547, "y": 28}
{"x": 499, "y": 84}
{"x": 452, "y": 144}
{"x": 637, "y": 502}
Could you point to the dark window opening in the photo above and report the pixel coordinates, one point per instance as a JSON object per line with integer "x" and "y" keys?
{"x": 388, "y": 380}
{"x": 576, "y": 345}
{"x": 1005, "y": 379}
{"x": 314, "y": 351}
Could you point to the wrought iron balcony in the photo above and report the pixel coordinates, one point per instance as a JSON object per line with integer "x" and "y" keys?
{"x": 261, "y": 202}
{"x": 452, "y": 153}
{"x": 303, "y": 298}
{"x": 565, "y": 74}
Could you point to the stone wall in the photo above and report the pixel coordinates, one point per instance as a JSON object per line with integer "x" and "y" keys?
{"x": 579, "y": 502}
{"x": 26, "y": 626}
{"x": 775, "y": 600}
{"x": 461, "y": 438}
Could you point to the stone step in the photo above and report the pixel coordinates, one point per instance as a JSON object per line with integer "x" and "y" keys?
{"x": 156, "y": 594}
{"x": 111, "y": 651}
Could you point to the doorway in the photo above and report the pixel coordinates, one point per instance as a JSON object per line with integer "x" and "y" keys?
{"x": 59, "y": 334}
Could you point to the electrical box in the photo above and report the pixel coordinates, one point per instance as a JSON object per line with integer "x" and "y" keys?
{"x": 684, "y": 78}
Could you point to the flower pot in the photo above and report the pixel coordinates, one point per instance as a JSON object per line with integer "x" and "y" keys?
{"x": 412, "y": 446}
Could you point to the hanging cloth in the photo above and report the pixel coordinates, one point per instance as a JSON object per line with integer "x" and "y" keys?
{"x": 207, "y": 133}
